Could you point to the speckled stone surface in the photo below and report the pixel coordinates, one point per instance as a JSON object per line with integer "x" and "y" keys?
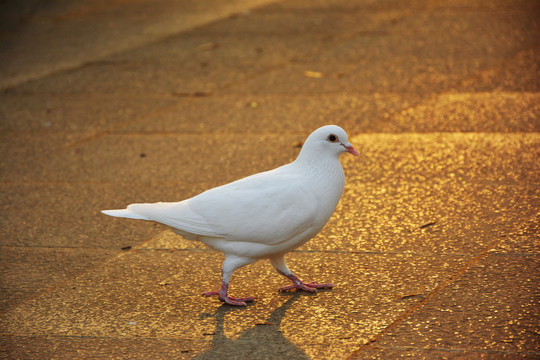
{"x": 434, "y": 247}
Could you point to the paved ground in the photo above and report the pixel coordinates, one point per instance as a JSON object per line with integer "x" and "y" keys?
{"x": 434, "y": 247}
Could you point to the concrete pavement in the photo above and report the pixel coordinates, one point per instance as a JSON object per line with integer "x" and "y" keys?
{"x": 434, "y": 246}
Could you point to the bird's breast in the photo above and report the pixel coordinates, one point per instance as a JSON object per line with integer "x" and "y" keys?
{"x": 327, "y": 191}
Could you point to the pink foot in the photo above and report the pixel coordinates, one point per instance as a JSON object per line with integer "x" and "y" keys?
{"x": 299, "y": 285}
{"x": 222, "y": 296}
{"x": 309, "y": 287}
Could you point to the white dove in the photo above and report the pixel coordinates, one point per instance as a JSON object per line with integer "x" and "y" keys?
{"x": 262, "y": 216}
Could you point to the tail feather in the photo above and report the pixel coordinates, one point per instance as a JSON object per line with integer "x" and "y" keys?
{"x": 125, "y": 213}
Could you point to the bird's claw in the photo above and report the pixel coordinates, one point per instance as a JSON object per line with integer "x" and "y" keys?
{"x": 308, "y": 287}
{"x": 236, "y": 301}
{"x": 229, "y": 299}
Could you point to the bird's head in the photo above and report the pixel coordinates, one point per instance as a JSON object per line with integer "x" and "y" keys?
{"x": 328, "y": 140}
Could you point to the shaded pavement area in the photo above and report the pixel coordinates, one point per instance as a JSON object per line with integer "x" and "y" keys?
{"x": 434, "y": 246}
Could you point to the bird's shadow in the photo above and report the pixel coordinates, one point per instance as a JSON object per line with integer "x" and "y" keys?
{"x": 262, "y": 341}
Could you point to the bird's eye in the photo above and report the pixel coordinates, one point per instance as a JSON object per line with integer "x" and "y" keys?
{"x": 332, "y": 138}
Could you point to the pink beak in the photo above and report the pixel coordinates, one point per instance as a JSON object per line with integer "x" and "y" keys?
{"x": 350, "y": 149}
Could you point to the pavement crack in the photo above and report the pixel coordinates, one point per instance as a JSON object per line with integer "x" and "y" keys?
{"x": 417, "y": 306}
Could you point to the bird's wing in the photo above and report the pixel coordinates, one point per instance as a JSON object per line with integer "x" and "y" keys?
{"x": 266, "y": 208}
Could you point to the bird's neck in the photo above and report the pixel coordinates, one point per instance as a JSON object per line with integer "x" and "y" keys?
{"x": 317, "y": 166}
{"x": 325, "y": 179}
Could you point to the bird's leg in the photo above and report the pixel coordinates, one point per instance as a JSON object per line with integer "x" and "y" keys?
{"x": 230, "y": 264}
{"x": 223, "y": 296}
{"x": 283, "y": 269}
